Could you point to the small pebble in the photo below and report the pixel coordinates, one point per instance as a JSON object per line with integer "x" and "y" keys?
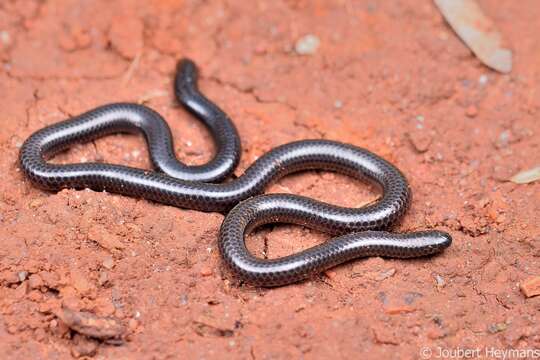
{"x": 183, "y": 299}
{"x": 46, "y": 307}
{"x": 531, "y": 286}
{"x": 483, "y": 79}
{"x": 108, "y": 262}
{"x": 40, "y": 334}
{"x": 36, "y": 203}
{"x": 260, "y": 49}
{"x": 91, "y": 325}
{"x": 35, "y": 296}
{"x": 338, "y": 104}
{"x": 495, "y": 328}
{"x": 471, "y": 111}
{"x": 119, "y": 313}
{"x": 10, "y": 277}
{"x": 35, "y": 281}
{"x": 439, "y": 280}
{"x": 307, "y": 45}
{"x": 58, "y": 328}
{"x": 22, "y": 275}
{"x": 206, "y": 271}
{"x": 420, "y": 140}
{"x": 84, "y": 347}
{"x": 104, "y": 238}
{"x": 386, "y": 274}
{"x": 67, "y": 43}
{"x": 330, "y": 274}
{"x": 503, "y": 140}
{"x": 133, "y": 324}
{"x": 411, "y": 297}
{"x": 435, "y": 334}
{"x": 103, "y": 278}
{"x": 50, "y": 279}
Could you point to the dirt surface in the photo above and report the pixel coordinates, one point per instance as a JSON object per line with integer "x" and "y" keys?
{"x": 145, "y": 281}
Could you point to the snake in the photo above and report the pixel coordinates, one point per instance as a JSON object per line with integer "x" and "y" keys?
{"x": 359, "y": 232}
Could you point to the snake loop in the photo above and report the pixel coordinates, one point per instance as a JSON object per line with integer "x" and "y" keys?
{"x": 361, "y": 230}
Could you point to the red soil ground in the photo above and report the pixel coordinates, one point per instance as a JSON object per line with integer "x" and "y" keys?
{"x": 389, "y": 76}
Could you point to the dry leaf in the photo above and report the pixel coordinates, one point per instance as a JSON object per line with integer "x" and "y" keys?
{"x": 477, "y": 32}
{"x": 526, "y": 176}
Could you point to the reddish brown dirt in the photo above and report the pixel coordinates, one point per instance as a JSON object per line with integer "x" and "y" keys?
{"x": 389, "y": 76}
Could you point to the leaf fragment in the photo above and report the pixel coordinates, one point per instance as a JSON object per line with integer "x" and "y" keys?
{"x": 526, "y": 176}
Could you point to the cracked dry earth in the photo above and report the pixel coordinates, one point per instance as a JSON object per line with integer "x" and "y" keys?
{"x": 389, "y": 76}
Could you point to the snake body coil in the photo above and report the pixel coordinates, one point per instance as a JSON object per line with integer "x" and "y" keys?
{"x": 191, "y": 186}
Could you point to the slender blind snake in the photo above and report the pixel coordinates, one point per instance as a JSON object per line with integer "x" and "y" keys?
{"x": 360, "y": 230}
